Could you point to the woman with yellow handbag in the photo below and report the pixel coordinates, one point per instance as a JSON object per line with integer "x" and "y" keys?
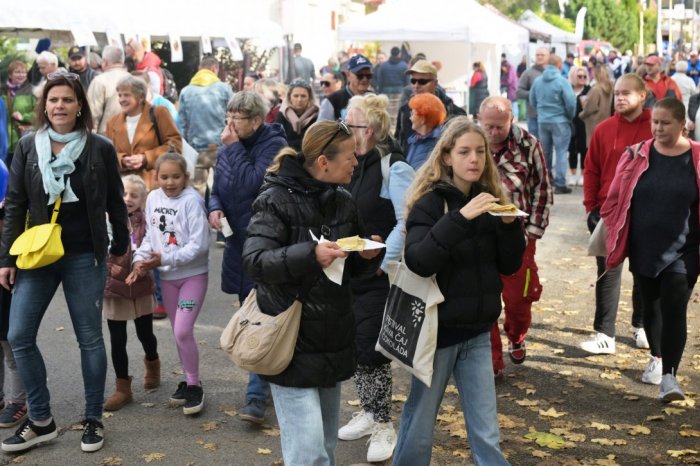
{"x": 62, "y": 160}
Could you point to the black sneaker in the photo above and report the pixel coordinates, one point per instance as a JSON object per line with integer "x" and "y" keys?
{"x": 195, "y": 399}
{"x": 253, "y": 411}
{"x": 28, "y": 435}
{"x": 180, "y": 396}
{"x": 93, "y": 435}
{"x": 562, "y": 190}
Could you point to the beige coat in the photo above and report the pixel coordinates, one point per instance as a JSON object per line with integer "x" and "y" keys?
{"x": 596, "y": 108}
{"x": 102, "y": 96}
{"x": 145, "y": 140}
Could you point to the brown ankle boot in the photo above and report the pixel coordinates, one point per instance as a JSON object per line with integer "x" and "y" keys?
{"x": 121, "y": 396}
{"x": 152, "y": 377}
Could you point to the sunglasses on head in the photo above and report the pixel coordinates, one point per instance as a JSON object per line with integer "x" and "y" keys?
{"x": 342, "y": 128}
{"x": 325, "y": 83}
{"x": 422, "y": 82}
{"x": 365, "y": 76}
{"x": 62, "y": 74}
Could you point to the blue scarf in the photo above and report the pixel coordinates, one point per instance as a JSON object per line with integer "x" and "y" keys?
{"x": 54, "y": 169}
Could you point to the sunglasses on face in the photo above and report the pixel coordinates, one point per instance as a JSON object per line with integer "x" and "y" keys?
{"x": 422, "y": 82}
{"x": 342, "y": 128}
{"x": 581, "y": 76}
{"x": 364, "y": 76}
{"x": 62, "y": 74}
{"x": 325, "y": 84}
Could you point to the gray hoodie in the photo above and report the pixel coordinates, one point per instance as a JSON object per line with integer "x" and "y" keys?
{"x": 525, "y": 84}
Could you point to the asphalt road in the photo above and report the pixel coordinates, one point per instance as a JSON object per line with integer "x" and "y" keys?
{"x": 557, "y": 375}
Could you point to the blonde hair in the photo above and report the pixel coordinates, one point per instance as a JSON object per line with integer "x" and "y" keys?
{"x": 316, "y": 137}
{"x": 136, "y": 181}
{"x": 435, "y": 168}
{"x": 573, "y": 72}
{"x": 602, "y": 78}
{"x": 374, "y": 108}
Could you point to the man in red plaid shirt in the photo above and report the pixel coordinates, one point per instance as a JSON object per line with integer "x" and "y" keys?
{"x": 521, "y": 164}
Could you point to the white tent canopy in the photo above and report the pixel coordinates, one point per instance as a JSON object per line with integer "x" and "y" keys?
{"x": 157, "y": 18}
{"x": 453, "y": 33}
{"x": 531, "y": 21}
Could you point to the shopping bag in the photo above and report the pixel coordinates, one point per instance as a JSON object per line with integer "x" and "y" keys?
{"x": 596, "y": 243}
{"x": 408, "y": 334}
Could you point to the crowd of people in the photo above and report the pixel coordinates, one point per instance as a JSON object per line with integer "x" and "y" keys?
{"x": 379, "y": 150}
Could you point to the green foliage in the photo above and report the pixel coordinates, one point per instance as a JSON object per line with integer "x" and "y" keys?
{"x": 609, "y": 20}
{"x": 9, "y": 53}
{"x": 562, "y": 23}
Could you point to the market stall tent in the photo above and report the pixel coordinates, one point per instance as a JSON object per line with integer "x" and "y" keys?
{"x": 456, "y": 34}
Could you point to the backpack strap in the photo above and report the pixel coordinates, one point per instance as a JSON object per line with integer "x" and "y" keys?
{"x": 152, "y": 114}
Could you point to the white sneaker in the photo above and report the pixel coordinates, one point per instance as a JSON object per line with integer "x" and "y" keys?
{"x": 640, "y": 337}
{"x": 361, "y": 424}
{"x": 599, "y": 344}
{"x": 652, "y": 374}
{"x": 382, "y": 442}
{"x": 669, "y": 389}
{"x": 579, "y": 180}
{"x": 571, "y": 180}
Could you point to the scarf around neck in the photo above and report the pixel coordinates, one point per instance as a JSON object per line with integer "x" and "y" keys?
{"x": 13, "y": 88}
{"x": 53, "y": 169}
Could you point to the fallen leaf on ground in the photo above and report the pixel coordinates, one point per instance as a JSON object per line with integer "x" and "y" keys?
{"x": 527, "y": 402}
{"x": 399, "y": 398}
{"x": 60, "y": 329}
{"x": 107, "y": 415}
{"x": 211, "y": 425}
{"x": 460, "y": 453}
{"x": 636, "y": 430}
{"x": 111, "y": 461}
{"x": 551, "y": 412}
{"x": 451, "y": 389}
{"x": 679, "y": 453}
{"x": 147, "y": 405}
{"x": 655, "y": 418}
{"x": 689, "y": 433}
{"x": 608, "y": 461}
{"x": 675, "y": 411}
{"x": 545, "y": 439}
{"x": 610, "y": 375}
{"x": 272, "y": 431}
{"x": 599, "y": 426}
{"x": 150, "y": 457}
{"x": 609, "y": 441}
{"x": 540, "y": 454}
{"x": 264, "y": 451}
{"x": 354, "y": 402}
{"x": 687, "y": 403}
{"x": 20, "y": 458}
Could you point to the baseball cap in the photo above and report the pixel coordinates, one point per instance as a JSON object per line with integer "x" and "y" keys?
{"x": 76, "y": 51}
{"x": 423, "y": 66}
{"x": 653, "y": 59}
{"x": 357, "y": 63}
{"x": 693, "y": 54}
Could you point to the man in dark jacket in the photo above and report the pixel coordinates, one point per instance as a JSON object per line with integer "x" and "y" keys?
{"x": 79, "y": 65}
{"x": 423, "y": 77}
{"x": 359, "y": 76}
{"x": 250, "y": 144}
{"x": 391, "y": 75}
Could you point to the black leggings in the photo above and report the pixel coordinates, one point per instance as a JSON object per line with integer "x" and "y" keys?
{"x": 665, "y": 306}
{"x": 117, "y": 335}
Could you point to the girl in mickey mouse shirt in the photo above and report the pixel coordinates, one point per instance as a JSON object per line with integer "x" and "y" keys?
{"x": 177, "y": 242}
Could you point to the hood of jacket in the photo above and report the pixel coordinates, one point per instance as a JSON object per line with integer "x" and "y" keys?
{"x": 551, "y": 73}
{"x": 204, "y": 78}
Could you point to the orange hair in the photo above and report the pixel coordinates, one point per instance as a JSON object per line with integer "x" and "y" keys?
{"x": 430, "y": 108}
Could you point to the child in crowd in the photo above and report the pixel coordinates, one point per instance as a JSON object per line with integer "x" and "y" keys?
{"x": 177, "y": 242}
{"x": 135, "y": 302}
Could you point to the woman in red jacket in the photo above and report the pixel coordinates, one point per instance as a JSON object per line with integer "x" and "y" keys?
{"x": 655, "y": 222}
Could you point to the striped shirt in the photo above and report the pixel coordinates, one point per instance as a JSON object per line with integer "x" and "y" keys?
{"x": 524, "y": 174}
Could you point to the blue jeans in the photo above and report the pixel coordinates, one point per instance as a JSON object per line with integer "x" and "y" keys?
{"x": 556, "y": 137}
{"x": 83, "y": 286}
{"x": 532, "y": 127}
{"x": 308, "y": 419}
{"x": 258, "y": 388}
{"x": 470, "y": 363}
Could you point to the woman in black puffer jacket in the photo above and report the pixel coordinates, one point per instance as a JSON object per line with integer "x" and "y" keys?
{"x": 300, "y": 196}
{"x": 449, "y": 234}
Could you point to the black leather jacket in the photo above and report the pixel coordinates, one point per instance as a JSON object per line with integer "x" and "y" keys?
{"x": 101, "y": 181}
{"x": 279, "y": 255}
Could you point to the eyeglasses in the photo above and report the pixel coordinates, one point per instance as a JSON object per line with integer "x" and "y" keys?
{"x": 62, "y": 74}
{"x": 356, "y": 126}
{"x": 581, "y": 76}
{"x": 364, "y": 76}
{"x": 422, "y": 82}
{"x": 325, "y": 83}
{"x": 342, "y": 127}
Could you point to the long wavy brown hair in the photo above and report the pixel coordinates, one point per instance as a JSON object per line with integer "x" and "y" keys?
{"x": 435, "y": 168}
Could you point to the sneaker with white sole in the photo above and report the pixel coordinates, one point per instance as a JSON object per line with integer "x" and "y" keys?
{"x": 599, "y": 344}
{"x": 652, "y": 374}
{"x": 28, "y": 435}
{"x": 361, "y": 424}
{"x": 93, "y": 435}
{"x": 670, "y": 390}
{"x": 382, "y": 442}
{"x": 640, "y": 337}
{"x": 13, "y": 414}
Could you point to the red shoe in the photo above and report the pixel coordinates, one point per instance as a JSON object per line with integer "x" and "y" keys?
{"x": 159, "y": 312}
{"x": 517, "y": 352}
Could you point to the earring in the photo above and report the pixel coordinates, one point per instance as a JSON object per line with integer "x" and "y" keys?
{"x": 326, "y": 170}
{"x": 46, "y": 113}
{"x": 78, "y": 114}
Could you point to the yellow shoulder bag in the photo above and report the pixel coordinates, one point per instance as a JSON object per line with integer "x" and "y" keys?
{"x": 40, "y": 245}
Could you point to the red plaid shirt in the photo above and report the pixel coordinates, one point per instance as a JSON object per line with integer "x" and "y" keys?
{"x": 523, "y": 170}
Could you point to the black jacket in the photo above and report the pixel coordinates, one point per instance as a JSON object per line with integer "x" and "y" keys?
{"x": 279, "y": 256}
{"x": 403, "y": 120}
{"x": 101, "y": 180}
{"x": 468, "y": 257}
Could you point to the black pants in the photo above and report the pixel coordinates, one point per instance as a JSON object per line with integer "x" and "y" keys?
{"x": 607, "y": 293}
{"x": 665, "y": 305}
{"x": 117, "y": 335}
